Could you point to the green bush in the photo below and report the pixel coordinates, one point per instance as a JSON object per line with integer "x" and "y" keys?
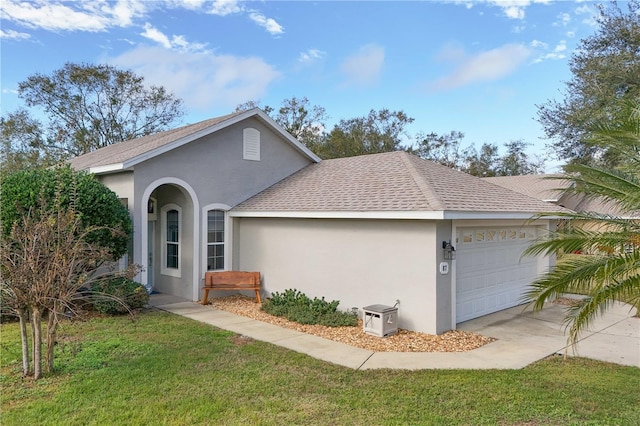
{"x": 42, "y": 190}
{"x": 296, "y": 306}
{"x": 118, "y": 296}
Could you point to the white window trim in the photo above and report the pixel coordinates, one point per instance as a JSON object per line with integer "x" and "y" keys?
{"x": 224, "y": 242}
{"x": 228, "y": 234}
{"x": 164, "y": 270}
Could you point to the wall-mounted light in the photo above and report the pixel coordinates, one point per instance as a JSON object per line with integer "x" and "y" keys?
{"x": 449, "y": 250}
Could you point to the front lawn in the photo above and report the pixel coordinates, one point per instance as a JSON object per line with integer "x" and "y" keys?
{"x": 165, "y": 369}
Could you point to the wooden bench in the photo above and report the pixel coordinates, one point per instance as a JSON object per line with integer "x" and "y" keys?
{"x": 231, "y": 280}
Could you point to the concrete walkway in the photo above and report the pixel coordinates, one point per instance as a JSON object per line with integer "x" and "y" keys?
{"x": 522, "y": 338}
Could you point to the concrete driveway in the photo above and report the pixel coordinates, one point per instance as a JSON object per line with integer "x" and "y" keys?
{"x": 612, "y": 337}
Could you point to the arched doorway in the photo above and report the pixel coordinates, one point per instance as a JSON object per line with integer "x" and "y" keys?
{"x": 169, "y": 238}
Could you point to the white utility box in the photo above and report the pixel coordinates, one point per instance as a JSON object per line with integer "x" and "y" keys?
{"x": 380, "y": 320}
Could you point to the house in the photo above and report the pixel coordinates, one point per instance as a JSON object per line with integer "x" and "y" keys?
{"x": 239, "y": 193}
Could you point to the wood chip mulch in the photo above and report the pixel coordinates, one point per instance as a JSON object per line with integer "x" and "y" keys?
{"x": 566, "y": 301}
{"x": 403, "y": 341}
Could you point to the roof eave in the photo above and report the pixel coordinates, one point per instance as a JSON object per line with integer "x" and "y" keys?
{"x": 429, "y": 215}
{"x": 107, "y": 168}
{"x": 497, "y": 215}
{"x": 411, "y": 215}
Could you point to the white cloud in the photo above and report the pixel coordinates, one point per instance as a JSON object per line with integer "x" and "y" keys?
{"x": 537, "y": 44}
{"x": 13, "y": 35}
{"x": 268, "y": 24}
{"x": 486, "y": 66}
{"x": 100, "y": 15}
{"x": 564, "y": 19}
{"x": 364, "y": 67}
{"x": 175, "y": 42}
{"x": 557, "y": 53}
{"x": 92, "y": 16}
{"x": 154, "y": 34}
{"x": 203, "y": 80}
{"x": 591, "y": 13}
{"x": 311, "y": 55}
{"x": 225, "y": 7}
{"x": 512, "y": 9}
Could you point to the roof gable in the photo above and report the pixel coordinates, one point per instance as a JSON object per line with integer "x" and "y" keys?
{"x": 126, "y": 154}
{"x": 389, "y": 182}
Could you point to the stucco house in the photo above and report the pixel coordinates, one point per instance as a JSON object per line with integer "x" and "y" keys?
{"x": 239, "y": 193}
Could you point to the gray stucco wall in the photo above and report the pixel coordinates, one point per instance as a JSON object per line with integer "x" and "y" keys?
{"x": 210, "y": 171}
{"x": 214, "y": 167}
{"x": 358, "y": 262}
{"x": 444, "y": 293}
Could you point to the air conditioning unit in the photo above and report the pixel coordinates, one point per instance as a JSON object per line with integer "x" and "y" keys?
{"x": 380, "y": 320}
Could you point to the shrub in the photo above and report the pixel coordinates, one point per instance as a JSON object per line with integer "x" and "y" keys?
{"x": 296, "y": 306}
{"x": 118, "y": 296}
{"x": 44, "y": 190}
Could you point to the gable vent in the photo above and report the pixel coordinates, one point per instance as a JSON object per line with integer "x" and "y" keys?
{"x": 251, "y": 144}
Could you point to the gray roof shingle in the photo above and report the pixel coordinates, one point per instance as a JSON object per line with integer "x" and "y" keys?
{"x": 395, "y": 181}
{"x": 547, "y": 187}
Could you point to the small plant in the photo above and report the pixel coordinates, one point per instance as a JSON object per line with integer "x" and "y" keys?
{"x": 118, "y": 296}
{"x": 296, "y": 306}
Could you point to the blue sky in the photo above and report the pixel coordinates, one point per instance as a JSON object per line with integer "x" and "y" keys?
{"x": 478, "y": 67}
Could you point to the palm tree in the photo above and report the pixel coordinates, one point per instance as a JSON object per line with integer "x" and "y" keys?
{"x": 609, "y": 267}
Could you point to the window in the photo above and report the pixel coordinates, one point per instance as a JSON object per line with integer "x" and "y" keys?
{"x": 171, "y": 238}
{"x": 215, "y": 240}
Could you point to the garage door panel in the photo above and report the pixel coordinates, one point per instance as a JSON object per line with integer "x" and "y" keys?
{"x": 491, "y": 273}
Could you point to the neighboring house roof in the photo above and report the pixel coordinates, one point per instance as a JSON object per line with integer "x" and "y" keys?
{"x": 126, "y": 154}
{"x": 547, "y": 187}
{"x": 395, "y": 184}
{"x": 551, "y": 187}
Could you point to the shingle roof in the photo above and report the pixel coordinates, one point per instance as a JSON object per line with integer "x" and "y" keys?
{"x": 395, "y": 181}
{"x": 127, "y": 150}
{"x": 547, "y": 187}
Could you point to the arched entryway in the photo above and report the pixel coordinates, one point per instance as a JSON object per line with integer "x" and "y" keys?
{"x": 169, "y": 238}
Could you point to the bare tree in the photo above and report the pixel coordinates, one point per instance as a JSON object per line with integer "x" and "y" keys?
{"x": 45, "y": 261}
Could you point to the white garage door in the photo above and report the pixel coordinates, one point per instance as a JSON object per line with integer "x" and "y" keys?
{"x": 491, "y": 275}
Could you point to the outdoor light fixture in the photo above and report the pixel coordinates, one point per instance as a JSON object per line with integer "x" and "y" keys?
{"x": 449, "y": 250}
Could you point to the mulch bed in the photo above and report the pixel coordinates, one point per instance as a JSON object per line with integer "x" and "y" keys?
{"x": 403, "y": 341}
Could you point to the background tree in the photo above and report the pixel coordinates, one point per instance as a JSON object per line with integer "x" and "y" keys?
{"x": 606, "y": 71}
{"x": 380, "y": 131}
{"x": 444, "y": 149}
{"x": 484, "y": 163}
{"x": 303, "y": 121}
{"x": 517, "y": 162}
{"x": 611, "y": 270}
{"x": 447, "y": 150}
{"x": 86, "y": 107}
{"x": 20, "y": 138}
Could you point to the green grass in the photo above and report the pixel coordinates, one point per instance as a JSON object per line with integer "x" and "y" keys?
{"x": 163, "y": 369}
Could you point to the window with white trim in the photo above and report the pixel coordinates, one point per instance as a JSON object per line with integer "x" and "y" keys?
{"x": 171, "y": 237}
{"x": 215, "y": 239}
